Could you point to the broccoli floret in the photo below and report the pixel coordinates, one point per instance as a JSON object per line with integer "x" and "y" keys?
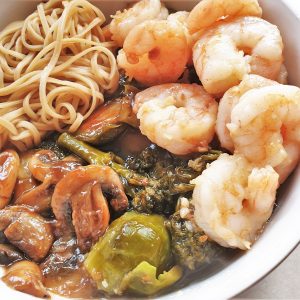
{"x": 154, "y": 180}
{"x": 172, "y": 178}
{"x": 190, "y": 245}
{"x": 199, "y": 164}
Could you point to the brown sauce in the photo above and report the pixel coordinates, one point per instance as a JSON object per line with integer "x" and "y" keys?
{"x": 72, "y": 283}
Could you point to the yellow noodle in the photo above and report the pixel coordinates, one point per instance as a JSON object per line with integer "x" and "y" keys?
{"x": 54, "y": 67}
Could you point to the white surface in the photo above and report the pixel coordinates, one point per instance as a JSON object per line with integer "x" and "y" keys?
{"x": 283, "y": 231}
{"x": 282, "y": 283}
{"x": 294, "y": 5}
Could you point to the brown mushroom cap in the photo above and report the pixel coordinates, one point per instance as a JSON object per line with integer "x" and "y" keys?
{"x": 81, "y": 190}
{"x": 26, "y": 276}
{"x": 9, "y": 166}
{"x": 27, "y": 230}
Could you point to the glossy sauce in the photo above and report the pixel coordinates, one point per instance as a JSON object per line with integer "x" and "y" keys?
{"x": 72, "y": 283}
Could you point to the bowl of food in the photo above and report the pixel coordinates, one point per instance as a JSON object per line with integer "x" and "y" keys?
{"x": 148, "y": 148}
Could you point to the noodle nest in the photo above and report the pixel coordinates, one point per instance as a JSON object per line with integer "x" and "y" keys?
{"x": 54, "y": 67}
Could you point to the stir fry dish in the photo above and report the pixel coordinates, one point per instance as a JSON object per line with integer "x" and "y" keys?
{"x": 136, "y": 147}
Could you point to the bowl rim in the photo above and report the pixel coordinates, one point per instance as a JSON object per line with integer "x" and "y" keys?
{"x": 235, "y": 272}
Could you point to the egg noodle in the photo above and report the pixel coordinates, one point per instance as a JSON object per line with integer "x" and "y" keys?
{"x": 54, "y": 67}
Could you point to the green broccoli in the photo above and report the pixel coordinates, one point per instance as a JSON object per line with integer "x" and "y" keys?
{"x": 190, "y": 245}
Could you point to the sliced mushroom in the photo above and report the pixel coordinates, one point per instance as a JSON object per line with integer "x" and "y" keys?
{"x": 38, "y": 197}
{"x": 27, "y": 230}
{"x": 3, "y": 239}
{"x": 9, "y": 254}
{"x": 45, "y": 163}
{"x": 9, "y": 165}
{"x": 72, "y": 283}
{"x": 27, "y": 190}
{"x": 81, "y": 190}
{"x": 107, "y": 122}
{"x": 23, "y": 186}
{"x": 45, "y": 166}
{"x": 26, "y": 276}
{"x": 25, "y": 181}
{"x": 25, "y": 157}
{"x": 65, "y": 273}
{"x": 64, "y": 254}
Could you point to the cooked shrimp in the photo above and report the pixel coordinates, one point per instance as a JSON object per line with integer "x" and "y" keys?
{"x": 124, "y": 21}
{"x": 229, "y": 100}
{"x": 228, "y": 51}
{"x": 9, "y": 166}
{"x": 233, "y": 200}
{"x": 285, "y": 168}
{"x": 283, "y": 75}
{"x": 82, "y": 190}
{"x": 155, "y": 52}
{"x": 207, "y": 12}
{"x": 177, "y": 117}
{"x": 181, "y": 17}
{"x": 265, "y": 127}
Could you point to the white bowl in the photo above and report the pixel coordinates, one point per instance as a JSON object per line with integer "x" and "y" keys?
{"x": 234, "y": 272}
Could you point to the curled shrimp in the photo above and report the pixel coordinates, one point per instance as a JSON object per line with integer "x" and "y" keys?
{"x": 233, "y": 200}
{"x": 177, "y": 117}
{"x": 9, "y": 167}
{"x": 229, "y": 100}
{"x": 230, "y": 50}
{"x": 82, "y": 190}
{"x": 181, "y": 17}
{"x": 265, "y": 127}
{"x": 124, "y": 21}
{"x": 155, "y": 52}
{"x": 207, "y": 12}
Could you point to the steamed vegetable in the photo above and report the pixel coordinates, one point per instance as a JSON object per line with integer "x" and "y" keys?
{"x": 190, "y": 246}
{"x": 171, "y": 174}
{"x": 153, "y": 180}
{"x": 129, "y": 240}
{"x": 97, "y": 157}
{"x": 142, "y": 280}
{"x": 199, "y": 164}
{"x": 150, "y": 192}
